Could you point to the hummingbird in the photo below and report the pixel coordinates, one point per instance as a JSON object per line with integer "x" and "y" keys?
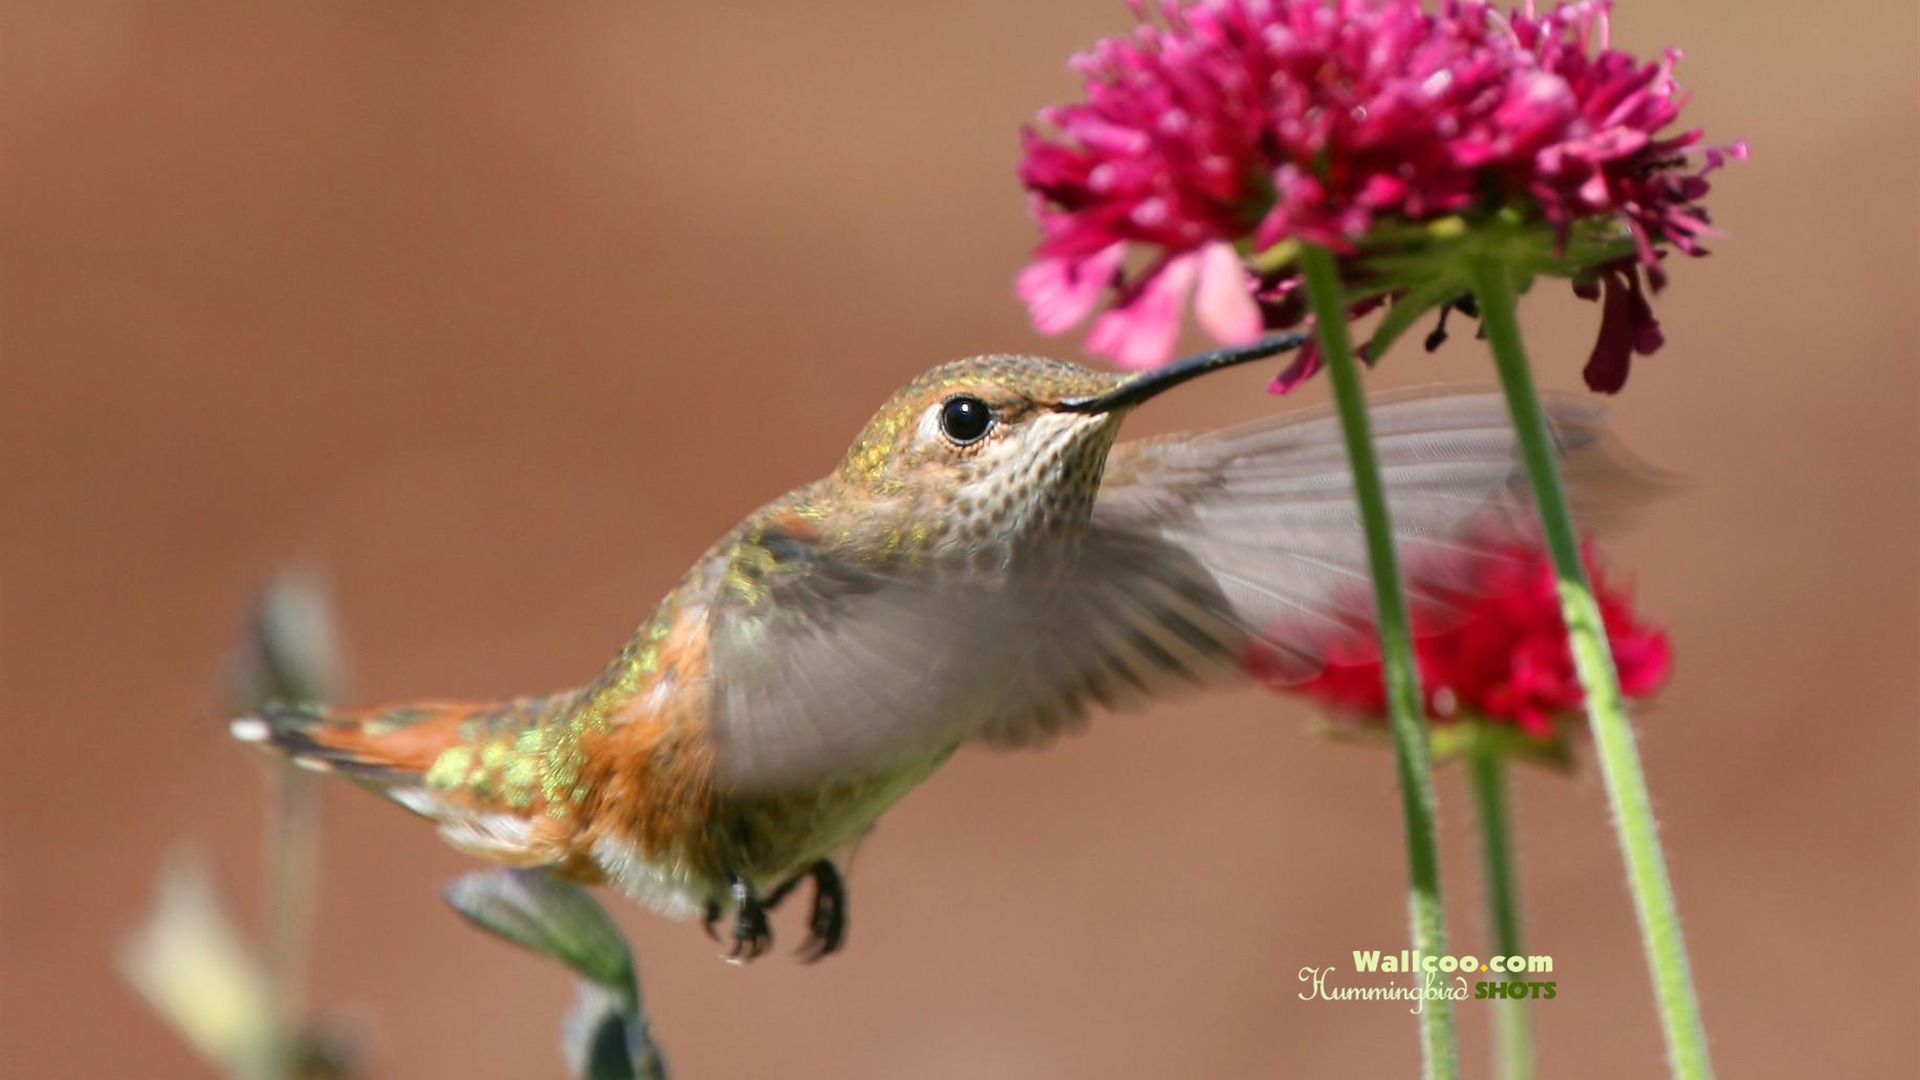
{"x": 986, "y": 564}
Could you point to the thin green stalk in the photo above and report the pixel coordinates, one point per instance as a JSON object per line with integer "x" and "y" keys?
{"x": 1406, "y": 718}
{"x": 1513, "y": 1030}
{"x": 1606, "y": 709}
{"x": 290, "y": 654}
{"x": 293, "y": 863}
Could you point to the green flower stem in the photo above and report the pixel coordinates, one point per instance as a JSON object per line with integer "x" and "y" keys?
{"x": 1606, "y": 709}
{"x": 293, "y": 864}
{"x": 290, "y": 654}
{"x": 1406, "y": 718}
{"x": 1513, "y": 1028}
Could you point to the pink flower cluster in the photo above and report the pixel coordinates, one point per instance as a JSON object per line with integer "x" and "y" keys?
{"x": 1232, "y": 126}
{"x": 1503, "y": 659}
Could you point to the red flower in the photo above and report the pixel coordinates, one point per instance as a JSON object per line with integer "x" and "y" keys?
{"x": 1235, "y": 126}
{"x": 1503, "y": 658}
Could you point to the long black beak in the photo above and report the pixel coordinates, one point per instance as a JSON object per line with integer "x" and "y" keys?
{"x": 1147, "y": 384}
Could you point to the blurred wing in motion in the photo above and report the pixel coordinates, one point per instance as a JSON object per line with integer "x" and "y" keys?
{"x": 1206, "y": 546}
{"x": 823, "y": 668}
{"x": 1201, "y": 547}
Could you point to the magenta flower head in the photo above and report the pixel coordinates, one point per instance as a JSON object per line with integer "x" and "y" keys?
{"x": 1216, "y": 139}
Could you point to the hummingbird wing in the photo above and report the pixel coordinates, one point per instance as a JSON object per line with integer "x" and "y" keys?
{"x": 1200, "y": 548}
{"x": 823, "y": 668}
{"x": 1203, "y": 547}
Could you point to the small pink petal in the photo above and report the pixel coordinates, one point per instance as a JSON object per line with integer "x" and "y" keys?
{"x": 1718, "y": 156}
{"x": 1594, "y": 191}
{"x": 1060, "y": 293}
{"x": 1140, "y": 333}
{"x": 1223, "y": 300}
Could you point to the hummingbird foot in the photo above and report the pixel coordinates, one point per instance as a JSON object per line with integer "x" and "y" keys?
{"x": 752, "y": 934}
{"x": 827, "y": 925}
{"x": 752, "y": 937}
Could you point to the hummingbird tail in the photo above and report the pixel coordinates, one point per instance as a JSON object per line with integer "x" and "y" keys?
{"x": 374, "y": 747}
{"x": 435, "y": 759}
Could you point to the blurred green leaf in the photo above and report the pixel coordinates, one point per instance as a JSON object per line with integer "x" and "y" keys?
{"x": 290, "y": 651}
{"x": 1469, "y": 736}
{"x": 538, "y": 911}
{"x": 1466, "y": 735}
{"x": 607, "y": 1036}
{"x": 194, "y": 969}
{"x": 594, "y": 1036}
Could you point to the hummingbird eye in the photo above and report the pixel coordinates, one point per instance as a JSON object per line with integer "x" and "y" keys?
{"x": 965, "y": 419}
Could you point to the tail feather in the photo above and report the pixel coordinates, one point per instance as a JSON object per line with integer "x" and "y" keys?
{"x": 458, "y": 765}
{"x": 376, "y": 747}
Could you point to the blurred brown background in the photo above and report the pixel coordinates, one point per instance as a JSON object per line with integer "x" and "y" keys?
{"x": 500, "y": 313}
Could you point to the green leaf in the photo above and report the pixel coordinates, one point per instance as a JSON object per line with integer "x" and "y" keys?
{"x": 200, "y": 976}
{"x": 290, "y": 651}
{"x": 191, "y": 965}
{"x": 1462, "y": 736}
{"x": 537, "y": 911}
{"x": 1468, "y": 735}
{"x": 607, "y": 1036}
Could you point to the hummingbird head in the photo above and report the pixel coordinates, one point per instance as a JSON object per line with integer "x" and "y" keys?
{"x": 978, "y": 459}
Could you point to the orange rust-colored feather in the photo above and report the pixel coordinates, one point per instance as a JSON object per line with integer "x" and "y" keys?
{"x": 461, "y": 764}
{"x": 648, "y": 771}
{"x": 371, "y": 737}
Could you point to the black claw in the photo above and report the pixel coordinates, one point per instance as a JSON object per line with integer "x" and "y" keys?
{"x": 751, "y": 934}
{"x": 827, "y": 925}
